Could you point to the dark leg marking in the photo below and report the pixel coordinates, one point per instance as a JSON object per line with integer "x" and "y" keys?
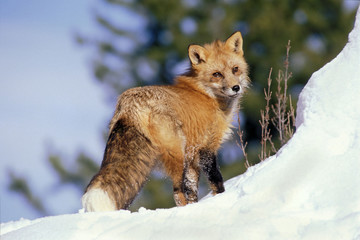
{"x": 211, "y": 169}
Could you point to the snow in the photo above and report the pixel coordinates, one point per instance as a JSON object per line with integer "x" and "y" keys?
{"x": 308, "y": 190}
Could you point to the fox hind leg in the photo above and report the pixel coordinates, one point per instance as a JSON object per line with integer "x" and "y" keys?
{"x": 179, "y": 195}
{"x": 185, "y": 184}
{"x": 179, "y": 190}
{"x": 191, "y": 182}
{"x": 174, "y": 166}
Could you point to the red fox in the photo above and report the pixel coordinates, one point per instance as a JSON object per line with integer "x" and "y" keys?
{"x": 181, "y": 126}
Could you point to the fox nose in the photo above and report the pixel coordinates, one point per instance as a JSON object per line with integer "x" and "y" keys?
{"x": 236, "y": 88}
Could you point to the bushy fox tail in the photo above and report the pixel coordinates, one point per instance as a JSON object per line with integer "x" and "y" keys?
{"x": 128, "y": 160}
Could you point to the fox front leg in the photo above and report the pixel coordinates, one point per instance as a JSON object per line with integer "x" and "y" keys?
{"x": 211, "y": 169}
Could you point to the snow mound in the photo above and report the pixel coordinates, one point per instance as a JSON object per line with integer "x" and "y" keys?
{"x": 309, "y": 190}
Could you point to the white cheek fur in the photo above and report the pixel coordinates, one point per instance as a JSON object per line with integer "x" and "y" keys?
{"x": 243, "y": 82}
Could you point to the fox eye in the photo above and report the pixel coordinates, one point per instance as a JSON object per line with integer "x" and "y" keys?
{"x": 235, "y": 69}
{"x": 217, "y": 74}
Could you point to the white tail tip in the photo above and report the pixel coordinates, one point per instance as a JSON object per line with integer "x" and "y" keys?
{"x": 97, "y": 200}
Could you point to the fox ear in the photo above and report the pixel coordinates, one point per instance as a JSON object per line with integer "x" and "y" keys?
{"x": 235, "y": 43}
{"x": 197, "y": 54}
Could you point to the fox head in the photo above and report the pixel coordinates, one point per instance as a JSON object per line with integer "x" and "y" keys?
{"x": 220, "y": 68}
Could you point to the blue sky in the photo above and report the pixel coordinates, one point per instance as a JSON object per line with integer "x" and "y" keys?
{"x": 48, "y": 97}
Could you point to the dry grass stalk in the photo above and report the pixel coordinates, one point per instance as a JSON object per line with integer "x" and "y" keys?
{"x": 264, "y": 123}
{"x": 282, "y": 118}
{"x": 242, "y": 144}
{"x": 290, "y": 126}
{"x": 290, "y": 115}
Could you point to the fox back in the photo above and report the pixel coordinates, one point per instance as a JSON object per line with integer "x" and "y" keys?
{"x": 180, "y": 127}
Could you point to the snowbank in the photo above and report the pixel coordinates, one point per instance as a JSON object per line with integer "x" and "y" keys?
{"x": 309, "y": 190}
